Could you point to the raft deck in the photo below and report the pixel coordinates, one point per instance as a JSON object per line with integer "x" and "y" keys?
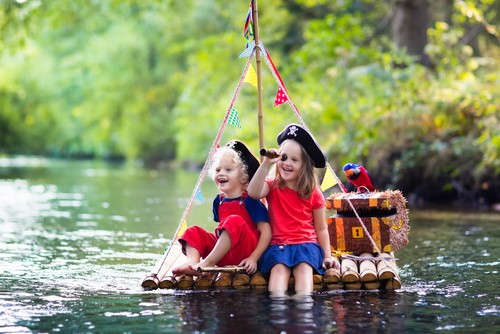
{"x": 367, "y": 272}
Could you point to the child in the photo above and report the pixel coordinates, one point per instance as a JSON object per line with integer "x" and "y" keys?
{"x": 300, "y": 242}
{"x": 243, "y": 232}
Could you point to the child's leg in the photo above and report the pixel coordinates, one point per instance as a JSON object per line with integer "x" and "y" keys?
{"x": 242, "y": 238}
{"x": 193, "y": 257}
{"x": 278, "y": 280}
{"x": 303, "y": 274}
{"x": 221, "y": 248}
{"x": 196, "y": 243}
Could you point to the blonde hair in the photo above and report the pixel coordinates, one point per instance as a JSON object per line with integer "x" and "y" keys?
{"x": 307, "y": 180}
{"x": 236, "y": 159}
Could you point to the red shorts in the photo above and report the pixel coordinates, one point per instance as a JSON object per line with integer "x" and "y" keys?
{"x": 244, "y": 239}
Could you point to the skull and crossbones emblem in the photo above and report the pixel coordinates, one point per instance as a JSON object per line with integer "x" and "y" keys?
{"x": 293, "y": 131}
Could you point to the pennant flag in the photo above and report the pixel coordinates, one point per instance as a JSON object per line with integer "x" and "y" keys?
{"x": 248, "y": 51}
{"x": 199, "y": 197}
{"x": 182, "y": 229}
{"x": 280, "y": 97}
{"x": 328, "y": 180}
{"x": 234, "y": 119}
{"x": 248, "y": 27}
{"x": 251, "y": 76}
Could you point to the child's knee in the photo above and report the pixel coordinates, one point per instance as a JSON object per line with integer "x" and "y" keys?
{"x": 281, "y": 269}
{"x": 303, "y": 268}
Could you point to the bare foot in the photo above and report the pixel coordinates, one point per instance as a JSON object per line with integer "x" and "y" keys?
{"x": 185, "y": 269}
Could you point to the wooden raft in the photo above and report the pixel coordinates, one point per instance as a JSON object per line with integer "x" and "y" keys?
{"x": 385, "y": 220}
{"x": 362, "y": 272}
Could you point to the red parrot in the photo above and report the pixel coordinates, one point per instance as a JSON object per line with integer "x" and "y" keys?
{"x": 358, "y": 176}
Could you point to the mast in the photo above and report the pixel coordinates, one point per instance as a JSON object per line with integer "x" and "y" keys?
{"x": 260, "y": 115}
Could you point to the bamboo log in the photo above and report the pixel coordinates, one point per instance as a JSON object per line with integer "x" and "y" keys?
{"x": 317, "y": 279}
{"x": 258, "y": 280}
{"x": 393, "y": 283}
{"x": 334, "y": 286}
{"x": 185, "y": 282}
{"x": 353, "y": 285}
{"x": 367, "y": 269}
{"x": 168, "y": 282}
{"x": 350, "y": 271}
{"x": 386, "y": 269}
{"x": 317, "y": 282}
{"x": 204, "y": 281}
{"x": 241, "y": 280}
{"x": 332, "y": 275}
{"x": 151, "y": 282}
{"x": 371, "y": 285}
{"x": 224, "y": 280}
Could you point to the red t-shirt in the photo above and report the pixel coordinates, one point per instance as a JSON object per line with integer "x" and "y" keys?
{"x": 290, "y": 215}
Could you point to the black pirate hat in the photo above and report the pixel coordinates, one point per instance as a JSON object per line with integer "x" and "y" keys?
{"x": 304, "y": 138}
{"x": 248, "y": 158}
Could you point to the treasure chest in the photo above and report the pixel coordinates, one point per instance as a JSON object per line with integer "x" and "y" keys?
{"x": 365, "y": 220}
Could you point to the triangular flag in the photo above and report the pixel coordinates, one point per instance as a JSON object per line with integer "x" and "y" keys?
{"x": 199, "y": 197}
{"x": 182, "y": 229}
{"x": 328, "y": 180}
{"x": 251, "y": 76}
{"x": 280, "y": 97}
{"x": 248, "y": 50}
{"x": 234, "y": 119}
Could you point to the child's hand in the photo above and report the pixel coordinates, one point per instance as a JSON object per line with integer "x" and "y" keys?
{"x": 328, "y": 262}
{"x": 272, "y": 156}
{"x": 250, "y": 265}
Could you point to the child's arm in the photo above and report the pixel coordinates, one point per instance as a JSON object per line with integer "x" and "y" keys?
{"x": 250, "y": 263}
{"x": 258, "y": 188}
{"x": 323, "y": 236}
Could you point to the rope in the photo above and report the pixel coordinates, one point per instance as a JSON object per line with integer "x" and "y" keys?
{"x": 204, "y": 170}
{"x": 215, "y": 144}
{"x": 280, "y": 83}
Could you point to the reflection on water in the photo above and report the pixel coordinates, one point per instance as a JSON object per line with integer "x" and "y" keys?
{"x": 78, "y": 237}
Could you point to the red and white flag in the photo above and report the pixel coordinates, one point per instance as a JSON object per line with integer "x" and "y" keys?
{"x": 280, "y": 97}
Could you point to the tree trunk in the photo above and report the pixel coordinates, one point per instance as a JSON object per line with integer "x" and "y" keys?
{"x": 409, "y": 27}
{"x": 449, "y": 12}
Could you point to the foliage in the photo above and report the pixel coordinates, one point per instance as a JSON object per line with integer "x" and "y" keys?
{"x": 153, "y": 80}
{"x": 431, "y": 132}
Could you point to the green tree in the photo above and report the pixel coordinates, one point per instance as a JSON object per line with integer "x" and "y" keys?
{"x": 152, "y": 80}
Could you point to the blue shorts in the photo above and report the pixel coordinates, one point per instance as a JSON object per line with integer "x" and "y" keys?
{"x": 292, "y": 255}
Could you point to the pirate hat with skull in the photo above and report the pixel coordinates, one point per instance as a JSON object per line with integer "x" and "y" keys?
{"x": 304, "y": 138}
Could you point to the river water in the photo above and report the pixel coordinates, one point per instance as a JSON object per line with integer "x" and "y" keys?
{"x": 77, "y": 238}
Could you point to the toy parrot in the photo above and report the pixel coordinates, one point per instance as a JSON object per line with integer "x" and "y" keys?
{"x": 359, "y": 177}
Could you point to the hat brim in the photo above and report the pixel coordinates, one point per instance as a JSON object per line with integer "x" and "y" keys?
{"x": 304, "y": 138}
{"x": 248, "y": 158}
